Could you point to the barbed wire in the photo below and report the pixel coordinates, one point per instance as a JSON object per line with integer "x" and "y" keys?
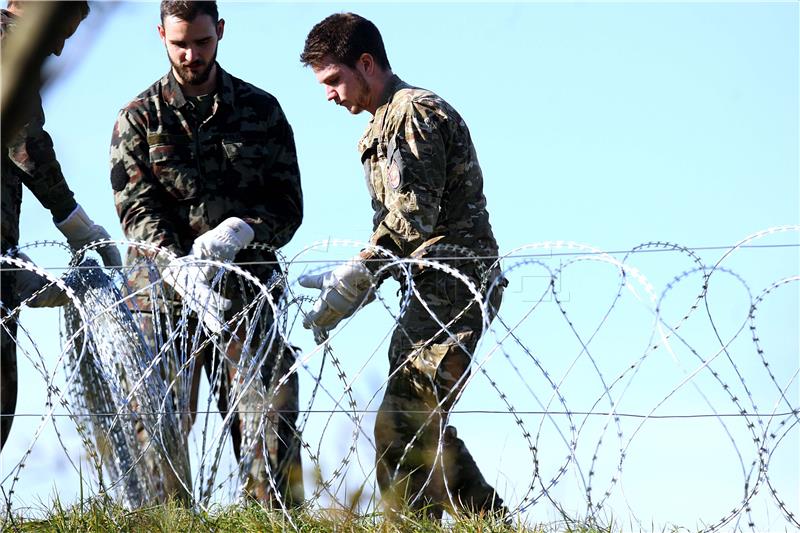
{"x": 569, "y": 376}
{"x": 452, "y": 412}
{"x": 459, "y": 258}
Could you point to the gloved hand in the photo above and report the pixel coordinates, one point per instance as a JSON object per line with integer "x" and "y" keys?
{"x": 79, "y": 230}
{"x": 191, "y": 278}
{"x": 28, "y": 282}
{"x": 344, "y": 289}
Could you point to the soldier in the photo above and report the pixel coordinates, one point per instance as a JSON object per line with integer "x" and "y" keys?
{"x": 427, "y": 193}
{"x": 203, "y": 163}
{"x": 28, "y": 159}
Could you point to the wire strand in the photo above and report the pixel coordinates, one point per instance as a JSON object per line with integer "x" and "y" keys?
{"x": 486, "y": 257}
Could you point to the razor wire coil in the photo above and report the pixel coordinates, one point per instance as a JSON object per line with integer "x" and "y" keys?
{"x": 109, "y": 394}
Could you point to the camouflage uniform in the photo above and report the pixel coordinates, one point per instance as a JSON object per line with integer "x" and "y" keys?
{"x": 427, "y": 192}
{"x": 27, "y": 159}
{"x": 177, "y": 174}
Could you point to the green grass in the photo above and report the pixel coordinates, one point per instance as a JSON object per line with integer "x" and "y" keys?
{"x": 96, "y": 516}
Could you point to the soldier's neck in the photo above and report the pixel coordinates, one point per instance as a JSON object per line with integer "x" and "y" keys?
{"x": 378, "y": 87}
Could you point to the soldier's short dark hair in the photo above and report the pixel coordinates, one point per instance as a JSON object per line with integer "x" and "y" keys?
{"x": 188, "y": 9}
{"x": 80, "y": 7}
{"x": 344, "y": 37}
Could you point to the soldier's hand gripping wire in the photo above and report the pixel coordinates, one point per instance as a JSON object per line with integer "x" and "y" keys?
{"x": 191, "y": 275}
{"x": 343, "y": 290}
{"x": 80, "y": 230}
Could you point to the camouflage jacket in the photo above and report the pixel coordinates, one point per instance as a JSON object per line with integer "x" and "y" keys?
{"x": 423, "y": 176}
{"x": 28, "y": 159}
{"x": 175, "y": 179}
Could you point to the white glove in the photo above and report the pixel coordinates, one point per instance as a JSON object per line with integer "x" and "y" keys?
{"x": 344, "y": 289}
{"x": 191, "y": 278}
{"x": 224, "y": 241}
{"x": 192, "y": 281}
{"x": 79, "y": 230}
{"x": 29, "y": 282}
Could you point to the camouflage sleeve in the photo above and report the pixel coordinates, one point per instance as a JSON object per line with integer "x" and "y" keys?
{"x": 415, "y": 179}
{"x": 32, "y": 151}
{"x": 141, "y": 202}
{"x": 278, "y": 212}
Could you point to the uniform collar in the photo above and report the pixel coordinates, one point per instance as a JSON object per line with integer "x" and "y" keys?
{"x": 392, "y": 86}
{"x": 225, "y": 92}
{"x": 173, "y": 95}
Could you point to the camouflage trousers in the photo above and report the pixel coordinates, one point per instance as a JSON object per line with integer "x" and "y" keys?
{"x": 279, "y": 437}
{"x": 8, "y": 355}
{"x": 421, "y": 463}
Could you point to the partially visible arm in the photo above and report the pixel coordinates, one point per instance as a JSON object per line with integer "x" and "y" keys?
{"x": 32, "y": 151}
{"x": 278, "y": 212}
{"x": 142, "y": 203}
{"x": 416, "y": 162}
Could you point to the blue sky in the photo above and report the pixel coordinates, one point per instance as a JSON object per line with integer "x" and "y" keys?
{"x": 605, "y": 124}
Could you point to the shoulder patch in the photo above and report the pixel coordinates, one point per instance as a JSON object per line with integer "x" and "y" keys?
{"x": 393, "y": 175}
{"x": 119, "y": 176}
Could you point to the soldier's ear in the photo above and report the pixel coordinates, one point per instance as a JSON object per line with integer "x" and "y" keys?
{"x": 220, "y": 29}
{"x": 162, "y": 34}
{"x": 367, "y": 63}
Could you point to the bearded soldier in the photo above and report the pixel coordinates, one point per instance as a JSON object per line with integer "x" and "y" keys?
{"x": 202, "y": 164}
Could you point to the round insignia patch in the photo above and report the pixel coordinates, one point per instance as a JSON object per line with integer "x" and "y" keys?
{"x": 394, "y": 176}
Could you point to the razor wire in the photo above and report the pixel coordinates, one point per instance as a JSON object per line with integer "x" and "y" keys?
{"x": 586, "y": 354}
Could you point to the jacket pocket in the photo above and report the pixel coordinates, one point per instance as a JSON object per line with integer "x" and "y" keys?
{"x": 175, "y": 167}
{"x": 246, "y": 162}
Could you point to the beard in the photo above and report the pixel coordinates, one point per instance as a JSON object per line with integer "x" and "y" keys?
{"x": 193, "y": 77}
{"x": 362, "y": 96}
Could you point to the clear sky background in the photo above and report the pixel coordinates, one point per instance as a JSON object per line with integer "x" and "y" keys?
{"x": 610, "y": 125}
